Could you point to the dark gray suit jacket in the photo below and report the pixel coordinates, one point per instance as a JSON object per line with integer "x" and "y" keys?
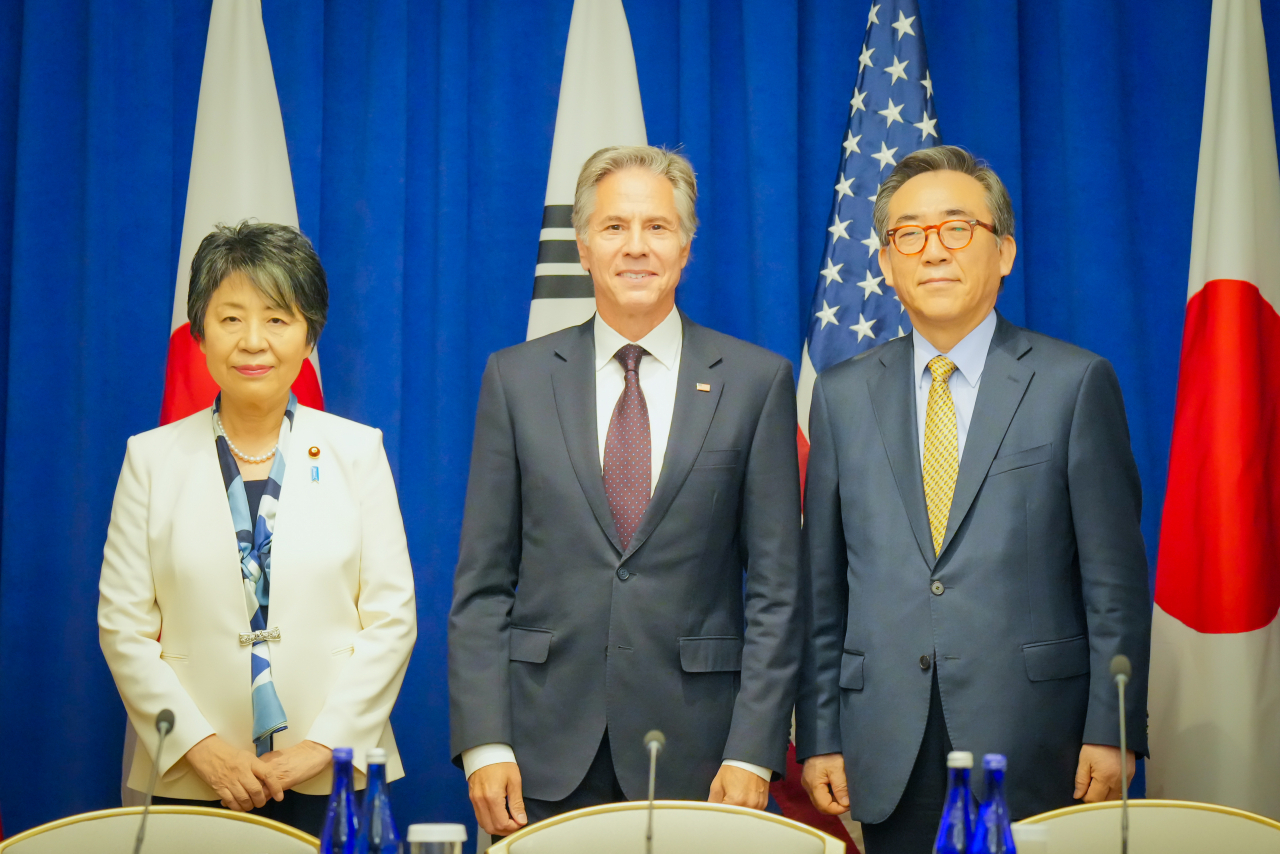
{"x": 555, "y": 633}
{"x": 1043, "y": 573}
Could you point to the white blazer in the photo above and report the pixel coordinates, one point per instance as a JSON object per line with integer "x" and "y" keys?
{"x": 172, "y": 603}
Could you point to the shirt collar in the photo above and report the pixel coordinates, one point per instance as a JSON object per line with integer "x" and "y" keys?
{"x": 969, "y": 355}
{"x": 662, "y": 343}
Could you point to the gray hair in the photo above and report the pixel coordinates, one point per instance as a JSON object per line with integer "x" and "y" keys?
{"x": 673, "y": 166}
{"x": 952, "y": 159}
{"x": 278, "y": 259}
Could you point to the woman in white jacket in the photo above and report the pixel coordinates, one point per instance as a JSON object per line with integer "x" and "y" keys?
{"x": 256, "y": 578}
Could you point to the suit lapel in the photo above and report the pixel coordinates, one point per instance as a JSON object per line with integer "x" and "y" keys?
{"x": 689, "y": 423}
{"x": 573, "y": 379}
{"x": 1004, "y": 383}
{"x": 893, "y": 399}
{"x": 199, "y": 466}
{"x": 299, "y": 497}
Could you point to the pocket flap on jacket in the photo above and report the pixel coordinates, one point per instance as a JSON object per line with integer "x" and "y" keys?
{"x": 710, "y": 654}
{"x": 530, "y": 644}
{"x": 718, "y": 458}
{"x": 851, "y": 676}
{"x": 1021, "y": 459}
{"x": 1058, "y": 659}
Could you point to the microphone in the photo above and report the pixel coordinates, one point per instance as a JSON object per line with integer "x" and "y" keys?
{"x": 654, "y": 741}
{"x": 164, "y": 726}
{"x": 1122, "y": 672}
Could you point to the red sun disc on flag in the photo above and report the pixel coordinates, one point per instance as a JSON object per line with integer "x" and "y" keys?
{"x": 1220, "y": 537}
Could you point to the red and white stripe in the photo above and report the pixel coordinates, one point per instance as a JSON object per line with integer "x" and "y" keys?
{"x": 1215, "y": 659}
{"x": 804, "y": 400}
{"x": 239, "y": 170}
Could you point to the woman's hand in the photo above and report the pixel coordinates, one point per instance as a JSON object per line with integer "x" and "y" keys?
{"x": 297, "y": 764}
{"x": 242, "y": 780}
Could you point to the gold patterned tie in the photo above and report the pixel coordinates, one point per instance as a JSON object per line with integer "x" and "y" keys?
{"x": 941, "y": 449}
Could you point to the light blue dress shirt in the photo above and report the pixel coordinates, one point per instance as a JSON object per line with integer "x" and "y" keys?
{"x": 970, "y": 357}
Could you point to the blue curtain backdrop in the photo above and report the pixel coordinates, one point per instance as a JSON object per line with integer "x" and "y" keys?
{"x": 419, "y": 137}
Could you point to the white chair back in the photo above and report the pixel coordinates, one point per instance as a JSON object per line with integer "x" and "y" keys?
{"x": 191, "y": 830}
{"x": 679, "y": 827}
{"x": 1159, "y": 827}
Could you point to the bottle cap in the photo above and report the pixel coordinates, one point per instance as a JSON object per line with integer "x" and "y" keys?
{"x": 342, "y": 754}
{"x": 375, "y": 756}
{"x": 959, "y": 759}
{"x": 995, "y": 762}
{"x": 436, "y": 833}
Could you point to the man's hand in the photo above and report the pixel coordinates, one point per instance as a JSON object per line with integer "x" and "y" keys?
{"x": 1098, "y": 774}
{"x": 823, "y": 778}
{"x": 497, "y": 798}
{"x": 240, "y": 779}
{"x": 740, "y": 787}
{"x": 297, "y": 764}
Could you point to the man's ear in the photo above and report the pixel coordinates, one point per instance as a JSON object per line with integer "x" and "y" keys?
{"x": 886, "y": 269}
{"x": 1008, "y": 251}
{"x": 684, "y": 253}
{"x": 584, "y": 252}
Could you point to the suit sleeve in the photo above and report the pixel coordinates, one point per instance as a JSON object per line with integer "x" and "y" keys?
{"x": 485, "y": 581}
{"x": 359, "y": 704}
{"x": 770, "y": 538}
{"x": 1106, "y": 508}
{"x": 826, "y": 591}
{"x": 129, "y": 622}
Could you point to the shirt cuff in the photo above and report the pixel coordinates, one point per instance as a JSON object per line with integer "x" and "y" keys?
{"x": 475, "y": 758}
{"x": 758, "y": 770}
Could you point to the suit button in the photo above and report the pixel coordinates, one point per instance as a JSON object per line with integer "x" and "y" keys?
{"x": 937, "y": 588}
{"x": 623, "y": 574}
{"x": 925, "y": 662}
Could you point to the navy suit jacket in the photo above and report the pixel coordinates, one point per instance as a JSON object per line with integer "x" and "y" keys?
{"x": 556, "y": 633}
{"x": 1042, "y": 574}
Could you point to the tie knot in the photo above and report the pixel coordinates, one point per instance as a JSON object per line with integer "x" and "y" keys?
{"x": 629, "y": 356}
{"x": 941, "y": 368}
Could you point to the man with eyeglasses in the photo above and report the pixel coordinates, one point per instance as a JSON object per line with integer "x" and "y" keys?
{"x": 972, "y": 537}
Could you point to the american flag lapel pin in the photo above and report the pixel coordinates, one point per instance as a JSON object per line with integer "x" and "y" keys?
{"x": 704, "y": 386}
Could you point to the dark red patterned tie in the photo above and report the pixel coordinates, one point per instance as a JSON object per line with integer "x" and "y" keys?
{"x": 628, "y": 460}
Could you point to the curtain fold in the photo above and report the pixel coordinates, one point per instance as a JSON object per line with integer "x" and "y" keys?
{"x": 419, "y": 137}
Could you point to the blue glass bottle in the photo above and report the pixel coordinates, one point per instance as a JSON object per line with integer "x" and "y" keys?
{"x": 994, "y": 831}
{"x": 341, "y": 821}
{"x": 956, "y": 829}
{"x": 377, "y": 827}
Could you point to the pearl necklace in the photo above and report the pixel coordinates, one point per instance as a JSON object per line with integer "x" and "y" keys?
{"x": 217, "y": 419}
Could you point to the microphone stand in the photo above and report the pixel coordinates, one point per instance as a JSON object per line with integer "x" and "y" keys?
{"x": 1121, "y": 670}
{"x": 164, "y": 724}
{"x": 653, "y": 742}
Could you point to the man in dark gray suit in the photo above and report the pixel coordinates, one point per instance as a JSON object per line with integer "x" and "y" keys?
{"x": 972, "y": 536}
{"x": 625, "y": 474}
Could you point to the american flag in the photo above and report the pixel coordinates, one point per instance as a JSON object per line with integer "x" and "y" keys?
{"x": 891, "y": 114}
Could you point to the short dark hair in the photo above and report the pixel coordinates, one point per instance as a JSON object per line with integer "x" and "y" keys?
{"x": 278, "y": 259}
{"x": 945, "y": 158}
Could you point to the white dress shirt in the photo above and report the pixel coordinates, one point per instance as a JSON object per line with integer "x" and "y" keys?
{"x": 970, "y": 357}
{"x": 659, "y": 372}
